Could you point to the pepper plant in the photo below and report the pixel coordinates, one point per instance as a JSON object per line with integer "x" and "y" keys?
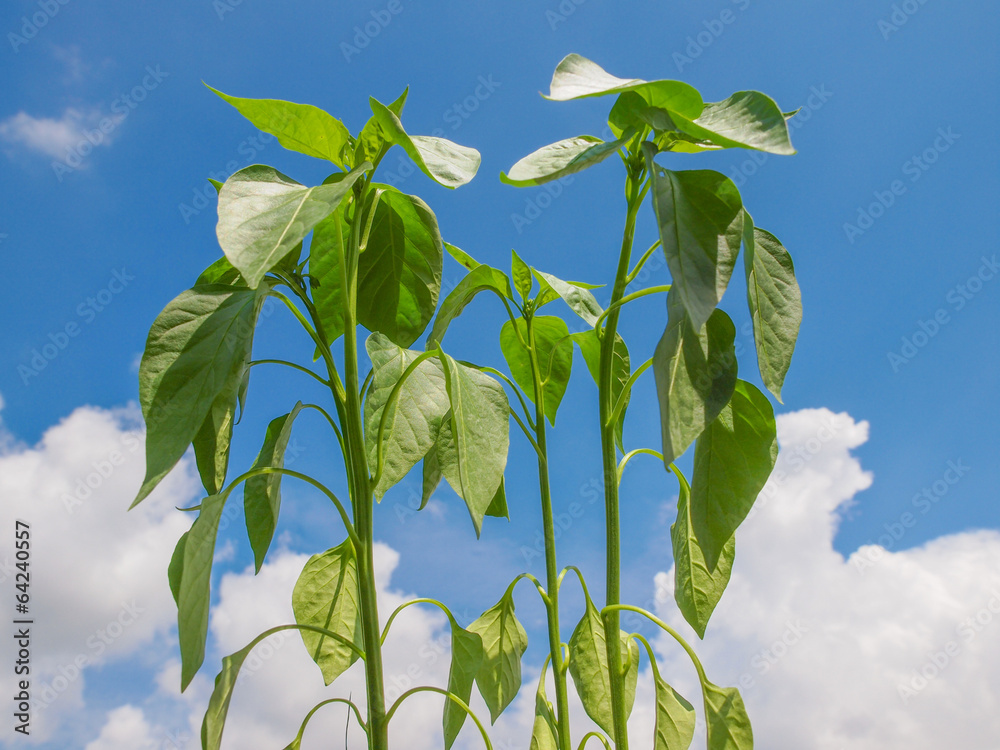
{"x": 374, "y": 262}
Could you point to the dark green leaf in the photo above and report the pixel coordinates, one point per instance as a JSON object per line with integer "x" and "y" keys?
{"x": 695, "y": 375}
{"x": 504, "y": 643}
{"x": 558, "y": 160}
{"x": 466, "y": 660}
{"x": 727, "y": 720}
{"x": 498, "y": 505}
{"x": 211, "y": 443}
{"x": 732, "y": 461}
{"x": 520, "y": 272}
{"x": 329, "y": 238}
{"x": 590, "y": 347}
{"x": 553, "y": 352}
{"x": 176, "y": 569}
{"x": 480, "y": 279}
{"x": 326, "y": 596}
{"x": 220, "y": 272}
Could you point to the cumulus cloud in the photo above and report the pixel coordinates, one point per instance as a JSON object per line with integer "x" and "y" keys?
{"x": 126, "y": 729}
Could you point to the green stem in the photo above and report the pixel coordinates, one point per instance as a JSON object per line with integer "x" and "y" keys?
{"x": 609, "y": 453}
{"x": 559, "y": 665}
{"x": 294, "y": 366}
{"x": 450, "y": 696}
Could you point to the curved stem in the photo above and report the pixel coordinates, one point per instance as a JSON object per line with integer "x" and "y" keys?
{"x": 629, "y": 298}
{"x": 624, "y": 395}
{"x": 598, "y": 735}
{"x": 526, "y": 431}
{"x": 294, "y": 366}
{"x": 579, "y": 575}
{"x": 404, "y": 605}
{"x": 513, "y": 386}
{"x": 628, "y": 457}
{"x": 450, "y": 696}
{"x": 318, "y": 706}
{"x": 642, "y": 261}
{"x": 669, "y": 630}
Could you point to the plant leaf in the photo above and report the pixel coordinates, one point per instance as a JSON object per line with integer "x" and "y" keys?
{"x": 175, "y": 571}
{"x": 220, "y": 272}
{"x": 262, "y": 493}
{"x": 588, "y": 666}
{"x": 264, "y": 214}
{"x": 371, "y": 140}
{"x": 576, "y": 295}
{"x": 461, "y": 257}
{"x": 466, "y": 660}
{"x": 444, "y": 162}
{"x": 700, "y": 218}
{"x": 520, "y": 272}
{"x": 298, "y": 127}
{"x": 732, "y": 461}
{"x": 554, "y": 351}
{"x": 576, "y": 77}
{"x": 697, "y": 588}
{"x": 726, "y": 719}
{"x": 545, "y": 731}
{"x": 747, "y": 119}
{"x": 695, "y": 375}
{"x": 413, "y": 423}
{"x": 196, "y": 347}
{"x": 329, "y": 237}
{"x": 211, "y": 443}
{"x": 480, "y": 279}
{"x": 590, "y": 347}
{"x": 775, "y": 303}
{"x": 326, "y": 595}
{"x": 559, "y": 159}
{"x": 504, "y": 643}
{"x": 675, "y": 718}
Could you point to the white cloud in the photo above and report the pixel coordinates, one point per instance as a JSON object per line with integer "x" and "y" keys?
{"x": 126, "y": 729}
{"x": 62, "y": 136}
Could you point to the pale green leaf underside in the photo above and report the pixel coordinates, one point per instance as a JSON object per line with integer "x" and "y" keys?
{"x": 747, "y": 119}
{"x": 726, "y": 719}
{"x": 504, "y": 642}
{"x": 558, "y": 160}
{"x": 675, "y": 718}
{"x": 545, "y": 730}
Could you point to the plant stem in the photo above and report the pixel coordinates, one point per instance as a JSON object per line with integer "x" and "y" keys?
{"x": 551, "y": 568}
{"x": 610, "y": 462}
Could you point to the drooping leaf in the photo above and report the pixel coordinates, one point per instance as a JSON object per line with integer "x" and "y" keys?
{"x": 558, "y": 160}
{"x": 697, "y": 587}
{"x": 262, "y": 493}
{"x": 326, "y": 595}
{"x": 554, "y": 354}
{"x": 504, "y": 643}
{"x": 588, "y": 666}
{"x": 695, "y": 375}
{"x": 675, "y": 718}
{"x": 196, "y": 350}
{"x": 298, "y": 127}
{"x": 414, "y": 421}
{"x": 194, "y": 592}
{"x": 747, "y": 119}
{"x": 726, "y": 719}
{"x": 432, "y": 476}
{"x": 775, "y": 303}
{"x": 498, "y": 505}
{"x": 466, "y": 661}
{"x": 399, "y": 272}
{"x": 264, "y": 214}
{"x": 732, "y": 460}
{"x": 520, "y": 272}
{"x": 590, "y": 347}
{"x": 444, "y": 162}
{"x": 545, "y": 731}
{"x": 371, "y": 140}
{"x": 211, "y": 442}
{"x": 176, "y": 568}
{"x": 577, "y": 77}
{"x": 700, "y": 218}
{"x": 480, "y": 279}
{"x": 576, "y": 295}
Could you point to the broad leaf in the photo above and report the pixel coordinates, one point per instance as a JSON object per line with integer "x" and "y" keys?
{"x": 414, "y": 421}
{"x": 432, "y": 474}
{"x": 553, "y": 352}
{"x": 747, "y": 119}
{"x": 466, "y": 660}
{"x": 520, "y": 272}
{"x": 545, "y": 731}
{"x": 697, "y": 587}
{"x": 590, "y": 347}
{"x": 444, "y": 162}
{"x": 326, "y": 595}
{"x": 195, "y": 354}
{"x": 504, "y": 643}
{"x": 194, "y": 592}
{"x": 298, "y": 127}
{"x": 588, "y": 666}
{"x": 775, "y": 303}
{"x": 557, "y": 160}
{"x": 262, "y": 493}
{"x": 371, "y": 140}
{"x": 264, "y": 214}
{"x": 732, "y": 461}
{"x": 577, "y": 77}
{"x": 700, "y": 218}
{"x": 329, "y": 240}
{"x": 695, "y": 375}
{"x": 574, "y": 294}
{"x": 726, "y": 718}
{"x": 480, "y": 279}
{"x": 399, "y": 272}
{"x": 675, "y": 718}
{"x": 211, "y": 443}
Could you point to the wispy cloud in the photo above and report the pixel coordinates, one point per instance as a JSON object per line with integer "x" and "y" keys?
{"x": 54, "y": 137}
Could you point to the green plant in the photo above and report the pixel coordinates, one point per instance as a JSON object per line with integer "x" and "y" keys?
{"x": 374, "y": 261}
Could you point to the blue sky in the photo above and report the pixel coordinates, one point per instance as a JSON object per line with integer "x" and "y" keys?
{"x": 888, "y": 210}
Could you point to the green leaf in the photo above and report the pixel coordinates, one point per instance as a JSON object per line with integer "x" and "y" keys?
{"x": 220, "y": 272}
{"x": 700, "y": 218}
{"x": 432, "y": 478}
{"x": 211, "y": 443}
{"x": 399, "y": 272}
{"x": 634, "y": 109}
{"x": 461, "y": 257}
{"x": 574, "y": 294}
{"x": 553, "y": 351}
{"x": 414, "y": 421}
{"x": 520, "y": 272}
{"x": 557, "y": 160}
{"x": 218, "y": 706}
{"x": 371, "y": 139}
{"x": 298, "y": 127}
{"x": 697, "y": 588}
{"x": 194, "y": 592}
{"x": 732, "y": 461}
{"x": 576, "y": 77}
{"x": 471, "y": 451}
{"x": 176, "y": 569}
{"x": 590, "y": 347}
{"x": 466, "y": 660}
{"x": 480, "y": 279}
{"x": 498, "y": 505}
{"x": 264, "y": 214}
{"x": 588, "y": 666}
{"x": 196, "y": 351}
{"x": 444, "y": 162}
{"x": 545, "y": 732}
{"x": 775, "y": 303}
{"x": 675, "y": 718}
{"x": 262, "y": 493}
{"x": 695, "y": 375}
{"x": 324, "y": 272}
{"x": 326, "y": 596}
{"x": 726, "y": 719}
{"x": 504, "y": 643}
{"x": 747, "y": 119}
